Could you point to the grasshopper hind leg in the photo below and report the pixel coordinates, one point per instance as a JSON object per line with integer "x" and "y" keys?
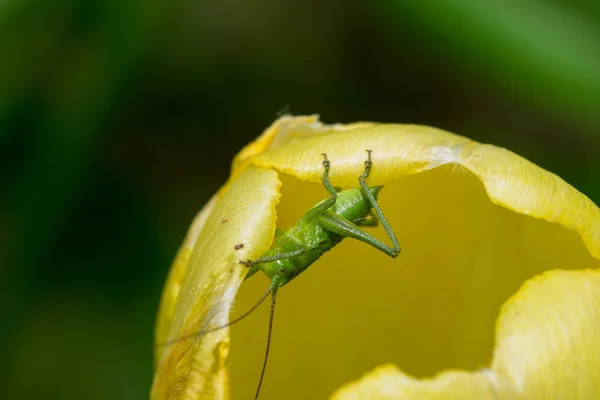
{"x": 375, "y": 205}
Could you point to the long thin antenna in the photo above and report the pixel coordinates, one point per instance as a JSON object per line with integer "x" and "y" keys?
{"x": 262, "y": 374}
{"x": 134, "y": 350}
{"x": 202, "y": 332}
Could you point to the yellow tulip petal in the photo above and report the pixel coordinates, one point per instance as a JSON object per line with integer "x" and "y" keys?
{"x": 398, "y": 150}
{"x": 389, "y": 383}
{"x": 547, "y": 337}
{"x": 199, "y": 295}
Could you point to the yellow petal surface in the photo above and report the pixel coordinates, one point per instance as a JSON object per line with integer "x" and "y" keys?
{"x": 474, "y": 221}
{"x": 547, "y": 337}
{"x": 203, "y": 282}
{"x": 389, "y": 383}
{"x": 547, "y": 348}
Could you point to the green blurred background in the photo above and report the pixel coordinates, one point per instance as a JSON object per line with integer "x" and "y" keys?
{"x": 119, "y": 118}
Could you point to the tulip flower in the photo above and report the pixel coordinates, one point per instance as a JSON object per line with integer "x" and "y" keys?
{"x": 495, "y": 295}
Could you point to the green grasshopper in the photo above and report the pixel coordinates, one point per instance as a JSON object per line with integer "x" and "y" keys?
{"x": 318, "y": 231}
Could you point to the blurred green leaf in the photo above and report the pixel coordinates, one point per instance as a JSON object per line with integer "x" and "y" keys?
{"x": 541, "y": 51}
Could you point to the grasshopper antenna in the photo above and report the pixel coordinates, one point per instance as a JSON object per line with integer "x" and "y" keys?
{"x": 202, "y": 332}
{"x": 191, "y": 335}
{"x": 262, "y": 374}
